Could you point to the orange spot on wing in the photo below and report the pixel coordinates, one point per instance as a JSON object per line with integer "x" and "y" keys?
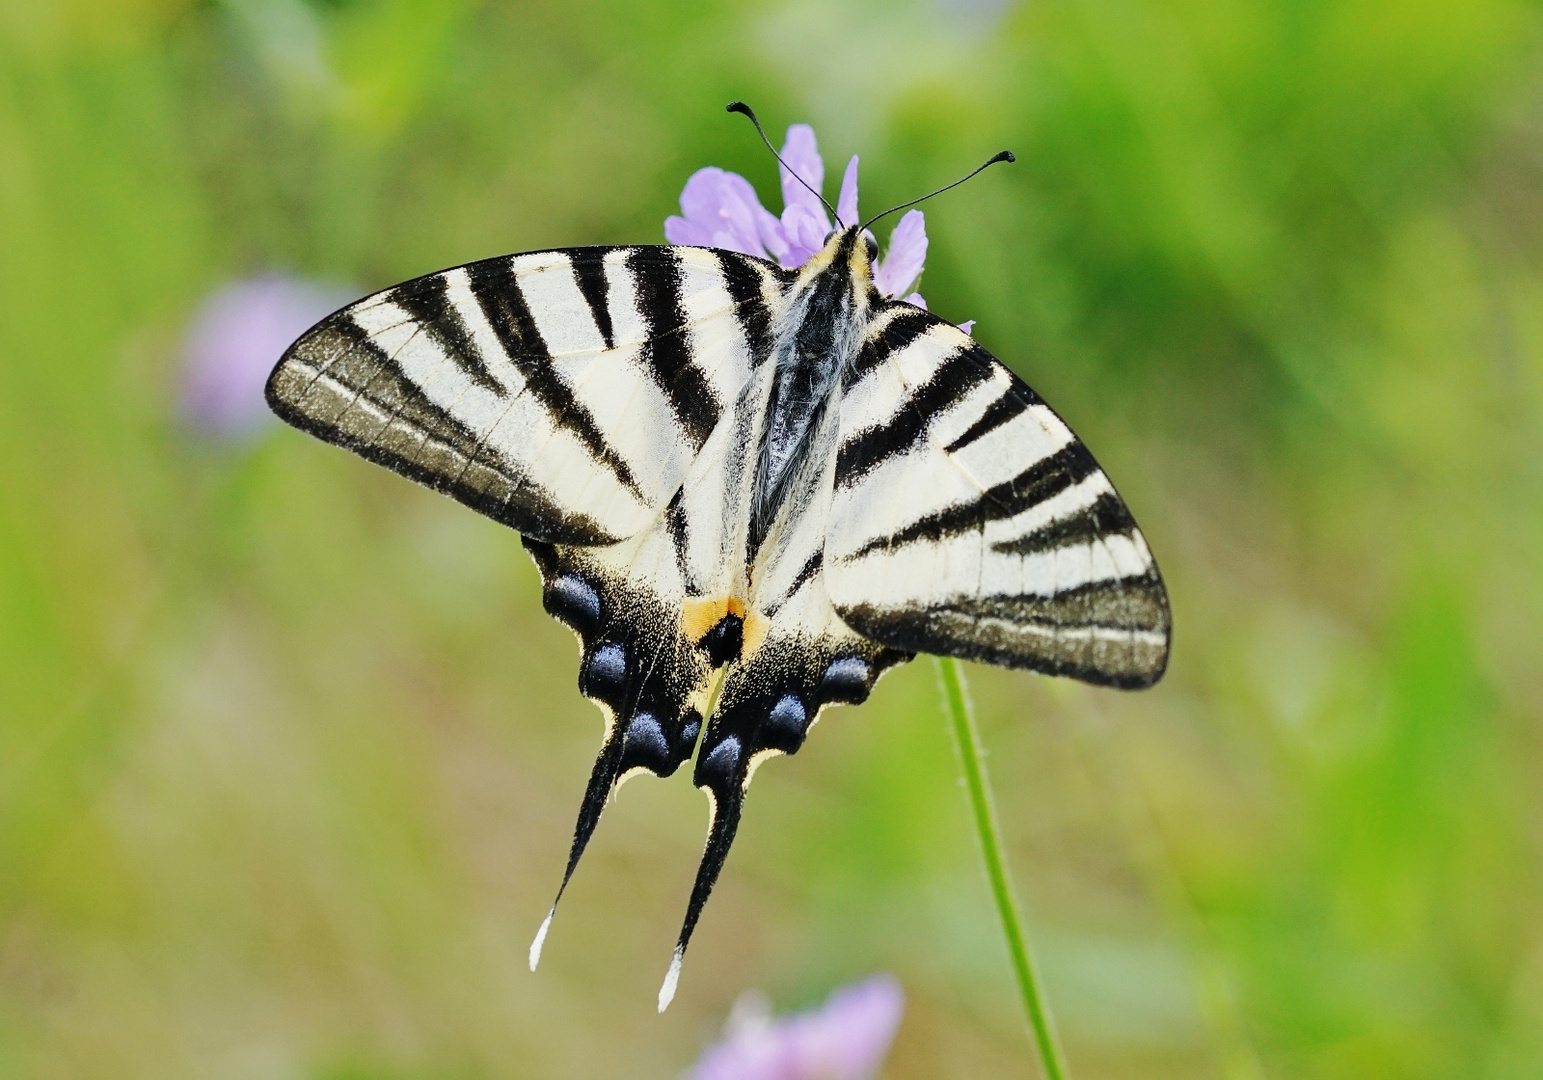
{"x": 756, "y": 626}
{"x": 699, "y": 614}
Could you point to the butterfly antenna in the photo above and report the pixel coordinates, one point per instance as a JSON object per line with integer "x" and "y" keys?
{"x": 741, "y": 107}
{"x": 1005, "y": 155}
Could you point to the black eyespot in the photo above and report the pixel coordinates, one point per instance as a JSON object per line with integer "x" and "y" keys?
{"x": 724, "y": 641}
{"x": 827, "y": 237}
{"x": 872, "y": 245}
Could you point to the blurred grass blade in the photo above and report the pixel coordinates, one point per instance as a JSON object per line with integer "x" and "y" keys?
{"x": 956, "y": 701}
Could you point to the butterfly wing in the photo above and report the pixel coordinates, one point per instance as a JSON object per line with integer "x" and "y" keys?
{"x": 968, "y": 520}
{"x": 591, "y": 398}
{"x": 563, "y": 393}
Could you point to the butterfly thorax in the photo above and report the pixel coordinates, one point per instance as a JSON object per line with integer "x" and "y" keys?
{"x": 814, "y": 340}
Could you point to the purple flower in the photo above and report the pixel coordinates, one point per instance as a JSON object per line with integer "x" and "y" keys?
{"x": 234, "y": 340}
{"x": 845, "y": 1039}
{"x": 720, "y": 209}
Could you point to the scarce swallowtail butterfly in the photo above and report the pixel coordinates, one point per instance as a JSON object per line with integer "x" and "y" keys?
{"x": 749, "y": 491}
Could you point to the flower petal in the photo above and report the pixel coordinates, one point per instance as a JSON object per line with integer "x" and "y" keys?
{"x": 915, "y": 300}
{"x": 902, "y": 263}
{"x": 720, "y": 209}
{"x": 234, "y": 340}
{"x": 772, "y": 235}
{"x": 968, "y": 326}
{"x": 804, "y": 229}
{"x": 801, "y": 154}
{"x": 848, "y": 1038}
{"x": 677, "y": 230}
{"x": 846, "y": 205}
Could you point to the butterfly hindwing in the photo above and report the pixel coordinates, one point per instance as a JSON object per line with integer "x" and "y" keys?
{"x": 563, "y": 393}
{"x": 968, "y": 520}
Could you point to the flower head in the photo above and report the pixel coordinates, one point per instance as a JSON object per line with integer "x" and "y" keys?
{"x": 845, "y": 1039}
{"x": 234, "y": 340}
{"x": 720, "y": 209}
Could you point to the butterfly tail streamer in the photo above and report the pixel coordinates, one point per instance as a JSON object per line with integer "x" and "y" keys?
{"x": 602, "y": 781}
{"x": 724, "y": 775}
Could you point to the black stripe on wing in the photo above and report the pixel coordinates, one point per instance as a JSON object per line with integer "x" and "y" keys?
{"x": 955, "y": 377}
{"x": 1001, "y": 411}
{"x": 745, "y": 284}
{"x": 904, "y": 324}
{"x": 1109, "y": 633}
{"x": 427, "y": 300}
{"x": 1043, "y": 480}
{"x": 589, "y": 275}
{"x": 1107, "y": 516}
{"x": 656, "y": 273}
{"x": 497, "y": 289}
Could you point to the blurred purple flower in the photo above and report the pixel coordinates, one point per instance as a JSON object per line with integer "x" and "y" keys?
{"x": 845, "y": 1039}
{"x": 721, "y": 210}
{"x": 234, "y": 340}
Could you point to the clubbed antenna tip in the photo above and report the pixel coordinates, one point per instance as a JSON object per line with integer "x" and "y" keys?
{"x": 741, "y": 107}
{"x": 1003, "y": 155}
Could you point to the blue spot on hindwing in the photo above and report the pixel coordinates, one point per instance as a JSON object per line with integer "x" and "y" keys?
{"x": 689, "y": 731}
{"x": 646, "y": 744}
{"x": 845, "y": 681}
{"x": 718, "y": 768}
{"x": 605, "y": 673}
{"x": 573, "y": 601}
{"x": 785, "y": 725}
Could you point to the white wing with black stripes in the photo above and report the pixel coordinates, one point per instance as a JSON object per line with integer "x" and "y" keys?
{"x": 563, "y": 393}
{"x": 968, "y": 520}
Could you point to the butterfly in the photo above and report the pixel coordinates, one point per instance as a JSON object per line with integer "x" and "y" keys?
{"x": 749, "y": 492}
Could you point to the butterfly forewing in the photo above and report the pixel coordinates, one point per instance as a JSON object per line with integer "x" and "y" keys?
{"x": 968, "y": 520}
{"x": 563, "y": 393}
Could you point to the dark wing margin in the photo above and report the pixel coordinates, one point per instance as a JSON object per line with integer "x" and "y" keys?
{"x": 970, "y": 521}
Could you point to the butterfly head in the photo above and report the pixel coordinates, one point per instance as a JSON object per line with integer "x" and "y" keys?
{"x": 849, "y": 253}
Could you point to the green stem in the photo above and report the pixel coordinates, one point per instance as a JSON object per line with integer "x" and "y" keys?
{"x": 967, "y": 740}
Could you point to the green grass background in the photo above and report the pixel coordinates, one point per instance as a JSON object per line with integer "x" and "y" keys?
{"x": 289, "y": 755}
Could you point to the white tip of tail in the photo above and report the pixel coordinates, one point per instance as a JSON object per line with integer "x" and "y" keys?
{"x": 671, "y": 977}
{"x": 535, "y": 946}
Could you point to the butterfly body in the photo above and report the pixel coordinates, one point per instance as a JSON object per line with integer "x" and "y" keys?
{"x": 720, "y": 466}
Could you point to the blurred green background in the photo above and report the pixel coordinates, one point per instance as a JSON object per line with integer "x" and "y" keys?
{"x": 289, "y": 754}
